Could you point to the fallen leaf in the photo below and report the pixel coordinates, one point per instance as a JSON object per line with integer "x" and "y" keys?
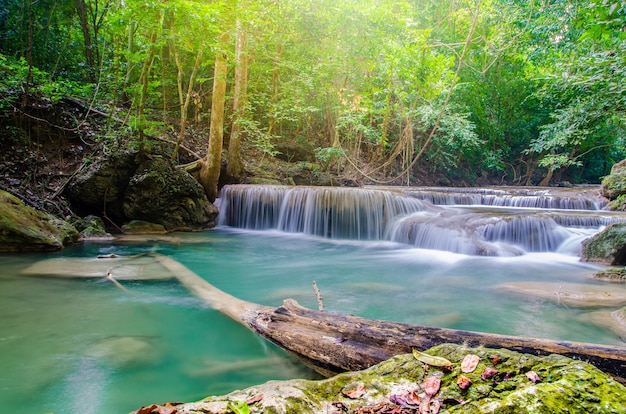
{"x": 413, "y": 398}
{"x": 254, "y": 399}
{"x": 533, "y": 376}
{"x": 470, "y": 362}
{"x": 147, "y": 409}
{"x": 488, "y": 373}
{"x": 432, "y": 385}
{"x": 355, "y": 393}
{"x": 400, "y": 400}
{"x": 463, "y": 382}
{"x": 495, "y": 359}
{"x": 435, "y": 361}
{"x": 167, "y": 408}
{"x": 435, "y": 406}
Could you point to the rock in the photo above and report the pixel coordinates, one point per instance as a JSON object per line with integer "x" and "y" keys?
{"x": 22, "y": 228}
{"x": 143, "y": 227}
{"x": 125, "y": 351}
{"x": 140, "y": 267}
{"x": 611, "y": 274}
{"x": 570, "y": 294}
{"x": 101, "y": 187}
{"x": 614, "y": 321}
{"x": 614, "y": 184}
{"x": 523, "y": 384}
{"x": 131, "y": 186}
{"x": 606, "y": 247}
{"x": 92, "y": 228}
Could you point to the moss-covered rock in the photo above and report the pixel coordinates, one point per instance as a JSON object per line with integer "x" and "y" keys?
{"x": 160, "y": 193}
{"x": 614, "y": 184}
{"x": 22, "y": 228}
{"x": 503, "y": 382}
{"x": 92, "y": 227}
{"x": 133, "y": 186}
{"x": 143, "y": 227}
{"x": 611, "y": 274}
{"x": 608, "y": 246}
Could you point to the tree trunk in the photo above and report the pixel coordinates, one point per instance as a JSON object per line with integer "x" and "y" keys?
{"x": 210, "y": 166}
{"x": 81, "y": 9}
{"x": 235, "y": 163}
{"x": 145, "y": 79}
{"x": 185, "y": 104}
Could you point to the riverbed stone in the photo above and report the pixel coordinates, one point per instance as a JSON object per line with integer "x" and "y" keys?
{"x": 607, "y": 247}
{"x": 504, "y": 382}
{"x": 23, "y": 228}
{"x": 578, "y": 295}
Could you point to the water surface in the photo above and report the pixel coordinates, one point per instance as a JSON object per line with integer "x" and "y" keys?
{"x": 86, "y": 346}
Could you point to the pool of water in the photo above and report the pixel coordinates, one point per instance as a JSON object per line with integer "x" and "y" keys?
{"x": 87, "y": 346}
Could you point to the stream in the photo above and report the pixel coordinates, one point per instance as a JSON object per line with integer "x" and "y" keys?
{"x": 421, "y": 256}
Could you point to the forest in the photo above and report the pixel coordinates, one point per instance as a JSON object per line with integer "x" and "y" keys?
{"x": 466, "y": 92}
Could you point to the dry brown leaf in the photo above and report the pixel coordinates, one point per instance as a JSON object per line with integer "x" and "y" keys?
{"x": 533, "y": 376}
{"x": 470, "y": 362}
{"x": 254, "y": 399}
{"x": 488, "y": 373}
{"x": 355, "y": 393}
{"x": 463, "y": 382}
{"x": 412, "y": 398}
{"x": 432, "y": 385}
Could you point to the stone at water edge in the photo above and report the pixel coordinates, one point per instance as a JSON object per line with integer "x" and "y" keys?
{"x": 607, "y": 247}
{"x": 563, "y": 383}
{"x": 22, "y": 228}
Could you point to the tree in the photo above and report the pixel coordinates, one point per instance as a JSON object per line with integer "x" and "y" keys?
{"x": 210, "y": 166}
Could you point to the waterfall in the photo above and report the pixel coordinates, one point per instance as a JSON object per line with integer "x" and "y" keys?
{"x": 521, "y": 198}
{"x": 485, "y": 222}
{"x": 336, "y": 213}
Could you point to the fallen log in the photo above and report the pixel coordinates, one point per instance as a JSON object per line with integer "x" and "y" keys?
{"x": 332, "y": 343}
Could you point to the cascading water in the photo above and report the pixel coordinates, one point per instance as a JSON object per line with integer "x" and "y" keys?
{"x": 480, "y": 222}
{"x": 335, "y": 213}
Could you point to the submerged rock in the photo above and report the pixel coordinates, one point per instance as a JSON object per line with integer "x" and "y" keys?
{"x": 516, "y": 383}
{"x": 570, "y": 294}
{"x": 22, "y": 228}
{"x": 607, "y": 247}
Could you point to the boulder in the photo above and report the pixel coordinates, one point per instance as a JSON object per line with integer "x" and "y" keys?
{"x": 614, "y": 186}
{"x": 92, "y": 228}
{"x": 160, "y": 193}
{"x": 606, "y": 247}
{"x": 131, "y": 186}
{"x": 22, "y": 228}
{"x": 501, "y": 382}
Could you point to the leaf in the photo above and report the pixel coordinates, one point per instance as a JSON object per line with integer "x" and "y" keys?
{"x": 463, "y": 382}
{"x": 240, "y": 408}
{"x": 355, "y": 393}
{"x": 488, "y": 373}
{"x": 533, "y": 376}
{"x": 470, "y": 362}
{"x": 254, "y": 399}
{"x": 432, "y": 385}
{"x": 432, "y": 360}
{"x": 412, "y": 398}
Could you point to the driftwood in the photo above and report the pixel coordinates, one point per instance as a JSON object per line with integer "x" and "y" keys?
{"x": 332, "y": 343}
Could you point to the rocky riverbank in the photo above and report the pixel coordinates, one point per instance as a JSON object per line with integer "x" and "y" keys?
{"x": 470, "y": 381}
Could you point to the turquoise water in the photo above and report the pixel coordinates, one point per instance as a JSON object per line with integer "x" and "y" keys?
{"x": 86, "y": 346}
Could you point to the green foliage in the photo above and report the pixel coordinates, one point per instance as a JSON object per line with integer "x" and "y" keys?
{"x": 538, "y": 84}
{"x": 240, "y": 407}
{"x": 329, "y": 155}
